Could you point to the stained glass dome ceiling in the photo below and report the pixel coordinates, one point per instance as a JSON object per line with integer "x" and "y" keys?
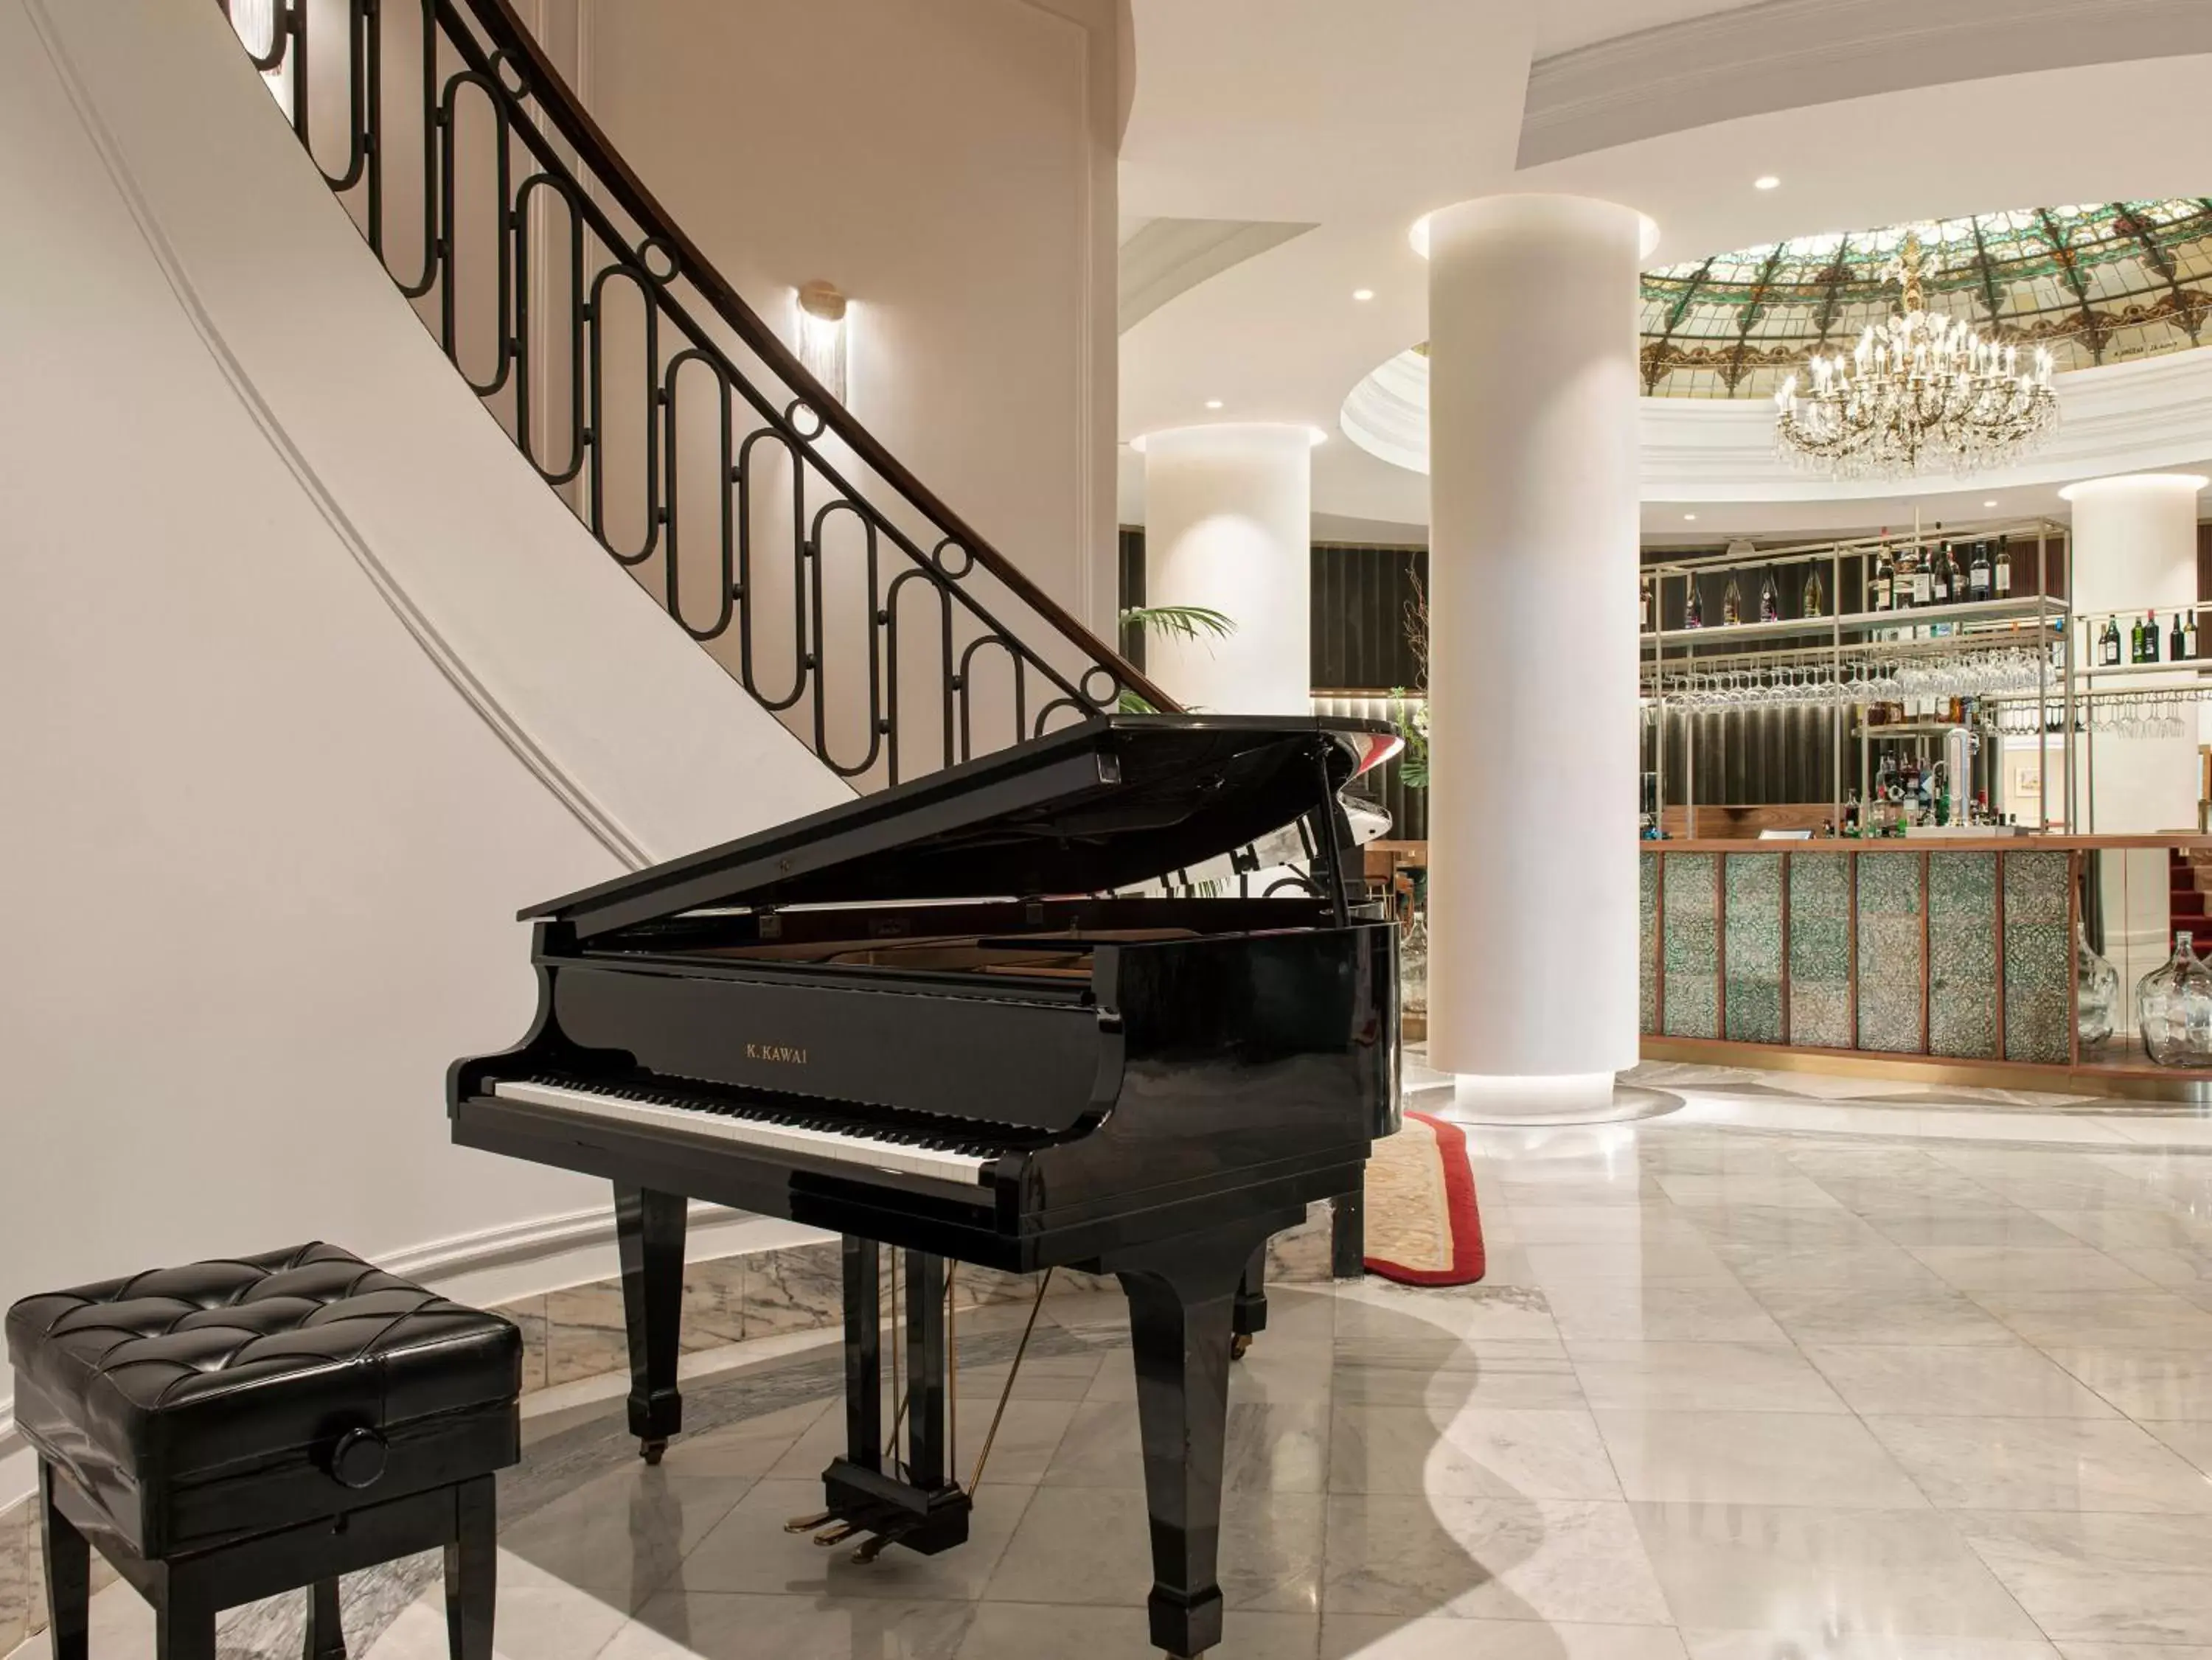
{"x": 2097, "y": 284}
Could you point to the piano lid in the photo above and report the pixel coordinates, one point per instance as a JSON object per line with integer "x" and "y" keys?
{"x": 1112, "y": 802}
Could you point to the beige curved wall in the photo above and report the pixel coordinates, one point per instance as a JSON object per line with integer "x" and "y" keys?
{"x": 311, "y": 684}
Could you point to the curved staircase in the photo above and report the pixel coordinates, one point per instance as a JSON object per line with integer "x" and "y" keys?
{"x": 704, "y": 456}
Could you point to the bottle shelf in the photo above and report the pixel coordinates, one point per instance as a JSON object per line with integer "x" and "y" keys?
{"x": 2187, "y": 666}
{"x": 1863, "y": 622}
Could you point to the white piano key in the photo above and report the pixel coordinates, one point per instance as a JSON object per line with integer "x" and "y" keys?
{"x": 964, "y": 1169}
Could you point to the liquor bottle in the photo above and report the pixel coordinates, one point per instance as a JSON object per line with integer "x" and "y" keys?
{"x": 2177, "y": 649}
{"x": 2134, "y": 642}
{"x": 2188, "y": 636}
{"x": 1644, "y": 598}
{"x": 1941, "y": 571}
{"x": 2150, "y": 637}
{"x": 1879, "y": 585}
{"x": 1901, "y": 595}
{"x": 1978, "y": 574}
{"x": 1924, "y": 576}
{"x": 1816, "y": 597}
{"x": 1693, "y": 608}
{"x": 1731, "y": 605}
{"x": 1769, "y": 601}
{"x": 2002, "y": 588}
{"x": 2108, "y": 644}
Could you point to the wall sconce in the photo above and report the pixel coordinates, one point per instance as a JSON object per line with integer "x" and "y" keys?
{"x": 822, "y": 330}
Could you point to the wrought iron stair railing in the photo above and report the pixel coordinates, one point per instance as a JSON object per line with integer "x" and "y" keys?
{"x": 774, "y": 527}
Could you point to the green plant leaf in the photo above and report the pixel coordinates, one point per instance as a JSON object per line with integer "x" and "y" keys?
{"x": 1179, "y": 621}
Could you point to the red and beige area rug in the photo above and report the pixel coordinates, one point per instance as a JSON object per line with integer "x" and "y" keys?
{"x": 1422, "y": 1229}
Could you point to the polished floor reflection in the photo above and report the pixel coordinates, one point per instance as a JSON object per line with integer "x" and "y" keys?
{"x": 1730, "y": 1393}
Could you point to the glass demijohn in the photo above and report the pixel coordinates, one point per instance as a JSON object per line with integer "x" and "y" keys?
{"x": 2173, "y": 1008}
{"x": 2097, "y": 992}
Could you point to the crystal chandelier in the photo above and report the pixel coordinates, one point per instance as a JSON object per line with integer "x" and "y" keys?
{"x": 1919, "y": 393}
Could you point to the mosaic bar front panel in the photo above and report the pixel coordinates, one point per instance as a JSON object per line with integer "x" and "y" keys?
{"x": 1962, "y": 955}
{"x": 1691, "y": 945}
{"x": 1751, "y": 947}
{"x": 1891, "y": 1011}
{"x": 2037, "y": 957}
{"x": 1820, "y": 950}
{"x": 1647, "y": 943}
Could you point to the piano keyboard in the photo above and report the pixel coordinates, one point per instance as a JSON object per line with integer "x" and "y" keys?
{"x": 911, "y": 1154}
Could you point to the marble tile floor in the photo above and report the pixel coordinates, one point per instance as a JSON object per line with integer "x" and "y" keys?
{"x": 1727, "y": 1394}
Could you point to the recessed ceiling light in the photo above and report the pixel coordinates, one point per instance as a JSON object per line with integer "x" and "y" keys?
{"x": 1766, "y": 181}
{"x": 1363, "y": 294}
{"x": 1692, "y": 518}
{"x": 1212, "y": 403}
{"x": 1990, "y": 504}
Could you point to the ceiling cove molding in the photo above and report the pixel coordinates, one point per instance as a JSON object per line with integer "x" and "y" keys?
{"x": 1163, "y": 257}
{"x": 2129, "y": 417}
{"x": 1787, "y": 54}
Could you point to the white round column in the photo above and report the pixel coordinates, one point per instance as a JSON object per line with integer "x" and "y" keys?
{"x": 2135, "y": 550}
{"x": 1533, "y": 489}
{"x": 1229, "y": 526}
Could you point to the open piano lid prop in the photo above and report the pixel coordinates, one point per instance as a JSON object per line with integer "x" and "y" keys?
{"x": 1107, "y": 805}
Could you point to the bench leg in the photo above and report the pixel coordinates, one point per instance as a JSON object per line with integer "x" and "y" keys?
{"x": 184, "y": 1620}
{"x": 325, "y": 1630}
{"x": 472, "y": 1571}
{"x": 649, "y": 1239}
{"x": 69, "y": 1573}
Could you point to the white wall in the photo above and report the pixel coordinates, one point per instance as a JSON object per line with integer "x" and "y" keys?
{"x": 310, "y": 684}
{"x": 950, "y": 167}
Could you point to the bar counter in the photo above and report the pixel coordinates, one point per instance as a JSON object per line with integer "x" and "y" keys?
{"x": 1935, "y": 958}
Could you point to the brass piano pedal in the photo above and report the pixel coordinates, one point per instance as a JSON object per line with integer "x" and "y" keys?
{"x": 830, "y": 1537}
{"x": 808, "y": 1524}
{"x": 869, "y": 1549}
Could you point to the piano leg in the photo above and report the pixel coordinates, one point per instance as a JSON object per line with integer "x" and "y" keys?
{"x": 1348, "y": 1234}
{"x": 649, "y": 1239}
{"x": 864, "y": 1354}
{"x": 1182, "y": 1309}
{"x": 1250, "y": 1318}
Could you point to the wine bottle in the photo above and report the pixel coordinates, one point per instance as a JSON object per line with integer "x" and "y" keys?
{"x": 1643, "y": 599}
{"x": 1879, "y": 583}
{"x": 1901, "y": 596}
{"x": 1770, "y": 601}
{"x": 1941, "y": 571}
{"x": 1731, "y": 605}
{"x": 1693, "y": 608}
{"x": 1816, "y": 603}
{"x": 2134, "y": 642}
{"x": 2150, "y": 637}
{"x": 1924, "y": 577}
{"x": 1978, "y": 574}
{"x": 2188, "y": 636}
{"x": 2002, "y": 574}
{"x": 2108, "y": 644}
{"x": 2176, "y": 651}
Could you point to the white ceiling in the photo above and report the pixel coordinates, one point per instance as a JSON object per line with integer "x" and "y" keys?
{"x": 1357, "y": 115}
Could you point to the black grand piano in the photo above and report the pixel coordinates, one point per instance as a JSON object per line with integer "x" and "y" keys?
{"x": 944, "y": 1019}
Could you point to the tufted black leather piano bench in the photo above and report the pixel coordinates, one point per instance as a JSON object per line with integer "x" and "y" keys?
{"x": 232, "y": 1429}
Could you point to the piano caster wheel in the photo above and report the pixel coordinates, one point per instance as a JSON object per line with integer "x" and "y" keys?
{"x": 1238, "y": 1344}
{"x": 651, "y": 1451}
